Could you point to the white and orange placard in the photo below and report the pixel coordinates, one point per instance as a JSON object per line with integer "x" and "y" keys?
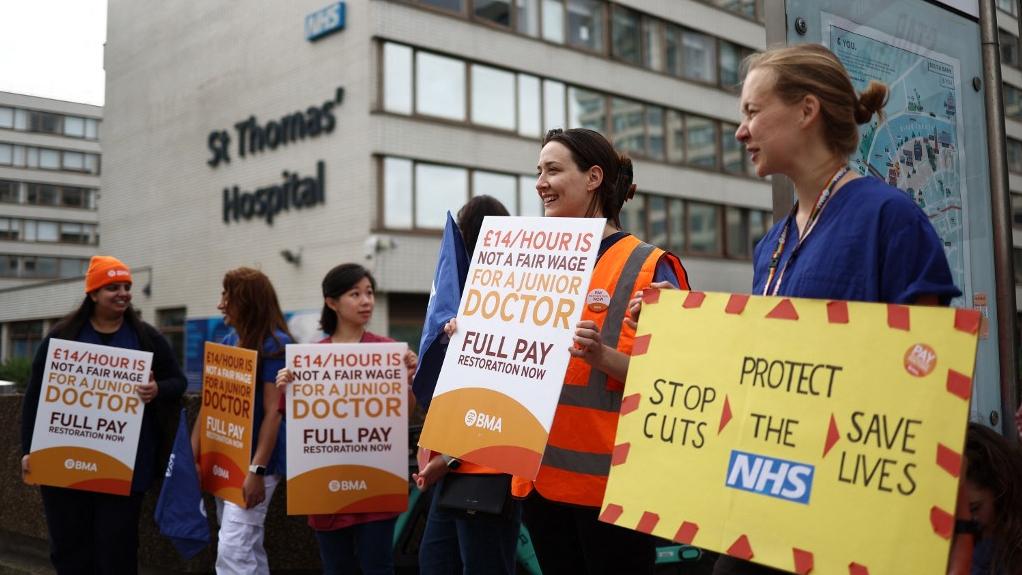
{"x": 347, "y": 428}
{"x": 811, "y": 436}
{"x": 226, "y": 419}
{"x": 502, "y": 375}
{"x": 89, "y": 417}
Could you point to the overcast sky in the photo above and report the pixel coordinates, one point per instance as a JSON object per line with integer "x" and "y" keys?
{"x": 53, "y": 48}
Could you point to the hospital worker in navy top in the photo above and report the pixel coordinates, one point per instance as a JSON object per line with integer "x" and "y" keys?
{"x": 848, "y": 237}
{"x": 251, "y": 308}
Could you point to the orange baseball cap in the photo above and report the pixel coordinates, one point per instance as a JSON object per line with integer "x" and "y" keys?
{"x": 104, "y": 270}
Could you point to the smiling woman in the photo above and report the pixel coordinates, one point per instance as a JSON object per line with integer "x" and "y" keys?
{"x": 96, "y": 532}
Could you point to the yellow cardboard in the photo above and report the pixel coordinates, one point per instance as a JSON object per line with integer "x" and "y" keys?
{"x": 806, "y": 435}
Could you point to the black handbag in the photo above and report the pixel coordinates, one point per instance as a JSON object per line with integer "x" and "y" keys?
{"x": 475, "y": 494}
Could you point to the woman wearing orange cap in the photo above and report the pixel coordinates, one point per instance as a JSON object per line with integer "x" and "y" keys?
{"x": 96, "y": 532}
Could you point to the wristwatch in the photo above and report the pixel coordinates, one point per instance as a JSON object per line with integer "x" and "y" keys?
{"x": 452, "y": 463}
{"x": 259, "y": 470}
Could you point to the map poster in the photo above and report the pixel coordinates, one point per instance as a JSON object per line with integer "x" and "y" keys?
{"x": 225, "y": 419}
{"x": 504, "y": 368}
{"x": 347, "y": 428}
{"x": 917, "y": 146}
{"x": 89, "y": 417}
{"x": 814, "y": 436}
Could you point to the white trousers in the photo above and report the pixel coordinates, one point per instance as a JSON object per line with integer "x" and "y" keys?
{"x": 240, "y": 548}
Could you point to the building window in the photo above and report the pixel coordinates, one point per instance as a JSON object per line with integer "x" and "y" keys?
{"x": 655, "y": 127}
{"x": 397, "y": 193}
{"x": 529, "y": 203}
{"x": 586, "y": 109}
{"x": 1009, "y": 6}
{"x": 494, "y": 11}
{"x": 46, "y": 123}
{"x": 71, "y": 268}
{"x": 74, "y": 127}
{"x": 553, "y": 20}
{"x": 452, "y": 5}
{"x": 585, "y": 24}
{"x": 397, "y": 78}
{"x": 1016, "y": 210}
{"x": 1015, "y": 155}
{"x": 9, "y": 229}
{"x": 629, "y": 127}
{"x": 732, "y": 149}
{"x": 737, "y": 228}
{"x": 701, "y": 141}
{"x": 527, "y": 17}
{"x": 25, "y": 337}
{"x": 439, "y": 86}
{"x": 40, "y": 267}
{"x": 6, "y": 154}
{"x": 503, "y": 187}
{"x": 1009, "y": 47}
{"x": 493, "y": 97}
{"x": 436, "y": 189}
{"x": 9, "y": 266}
{"x": 703, "y": 224}
{"x": 171, "y": 323}
{"x": 653, "y": 44}
{"x": 528, "y": 105}
{"x": 6, "y": 117}
{"x": 626, "y": 35}
{"x": 699, "y": 56}
{"x": 633, "y": 216}
{"x": 657, "y": 210}
{"x": 9, "y": 192}
{"x": 553, "y": 105}
{"x": 417, "y": 195}
{"x": 1012, "y": 104}
{"x": 529, "y": 101}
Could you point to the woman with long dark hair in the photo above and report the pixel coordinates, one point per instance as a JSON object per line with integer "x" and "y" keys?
{"x": 993, "y": 486}
{"x": 250, "y": 306}
{"x": 349, "y": 541}
{"x": 97, "y": 532}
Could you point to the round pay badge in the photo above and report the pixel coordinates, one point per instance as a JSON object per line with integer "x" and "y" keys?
{"x": 597, "y": 300}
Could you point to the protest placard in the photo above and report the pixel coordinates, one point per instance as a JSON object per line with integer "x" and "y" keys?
{"x": 89, "y": 417}
{"x": 502, "y": 375}
{"x": 225, "y": 419}
{"x": 802, "y": 434}
{"x": 347, "y": 428}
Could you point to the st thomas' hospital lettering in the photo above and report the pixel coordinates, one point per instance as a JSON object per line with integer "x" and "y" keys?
{"x": 253, "y": 137}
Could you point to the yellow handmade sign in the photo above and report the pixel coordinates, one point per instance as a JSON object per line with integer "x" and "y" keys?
{"x": 806, "y": 435}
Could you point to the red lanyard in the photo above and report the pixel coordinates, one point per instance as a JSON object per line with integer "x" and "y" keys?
{"x": 821, "y": 202}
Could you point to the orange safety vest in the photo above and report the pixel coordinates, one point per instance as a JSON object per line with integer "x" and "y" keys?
{"x": 577, "y": 457}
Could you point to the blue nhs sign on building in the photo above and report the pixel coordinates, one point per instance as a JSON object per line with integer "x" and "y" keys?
{"x": 324, "y": 21}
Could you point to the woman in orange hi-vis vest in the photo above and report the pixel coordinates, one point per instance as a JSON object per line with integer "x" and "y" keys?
{"x": 581, "y": 175}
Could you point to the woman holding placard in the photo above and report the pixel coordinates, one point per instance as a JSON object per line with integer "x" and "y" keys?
{"x": 249, "y": 305}
{"x": 580, "y": 175}
{"x": 348, "y": 541}
{"x": 97, "y": 532}
{"x": 847, "y": 237}
{"x": 483, "y": 538}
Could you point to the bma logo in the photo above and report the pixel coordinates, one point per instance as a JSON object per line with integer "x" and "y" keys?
{"x": 787, "y": 480}
{"x": 77, "y": 465}
{"x": 475, "y": 418}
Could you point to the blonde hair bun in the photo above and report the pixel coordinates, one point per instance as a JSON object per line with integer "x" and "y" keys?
{"x": 871, "y": 101}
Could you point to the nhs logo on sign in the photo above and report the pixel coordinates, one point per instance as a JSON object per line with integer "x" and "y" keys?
{"x": 325, "y": 21}
{"x": 768, "y": 476}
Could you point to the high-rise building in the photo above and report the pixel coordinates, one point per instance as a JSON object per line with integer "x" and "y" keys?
{"x": 49, "y": 189}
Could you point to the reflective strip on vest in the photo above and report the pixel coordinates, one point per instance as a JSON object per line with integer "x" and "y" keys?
{"x": 577, "y": 457}
{"x": 595, "y": 394}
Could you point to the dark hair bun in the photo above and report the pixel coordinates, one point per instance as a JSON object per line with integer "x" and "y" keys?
{"x": 871, "y": 101}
